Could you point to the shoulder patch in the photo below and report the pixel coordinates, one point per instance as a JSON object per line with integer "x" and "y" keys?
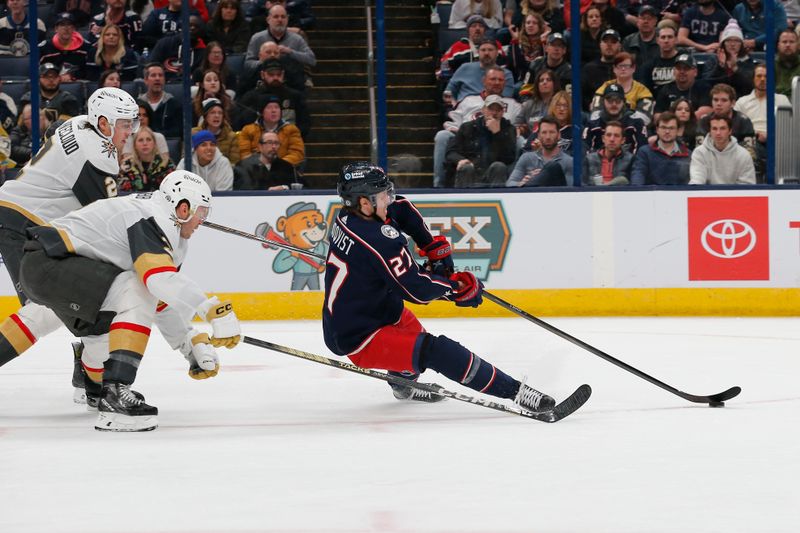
{"x": 389, "y": 231}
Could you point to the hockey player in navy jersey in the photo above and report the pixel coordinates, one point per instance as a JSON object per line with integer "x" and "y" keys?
{"x": 370, "y": 273}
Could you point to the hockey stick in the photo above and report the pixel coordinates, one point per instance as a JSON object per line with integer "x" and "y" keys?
{"x": 714, "y": 400}
{"x": 284, "y": 245}
{"x": 562, "y": 410}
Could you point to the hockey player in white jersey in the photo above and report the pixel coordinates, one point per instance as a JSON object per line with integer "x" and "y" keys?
{"x": 104, "y": 268}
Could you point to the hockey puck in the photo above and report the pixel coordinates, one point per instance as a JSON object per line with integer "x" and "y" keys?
{"x": 716, "y": 404}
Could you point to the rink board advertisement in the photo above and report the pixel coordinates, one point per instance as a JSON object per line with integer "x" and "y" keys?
{"x": 569, "y": 253}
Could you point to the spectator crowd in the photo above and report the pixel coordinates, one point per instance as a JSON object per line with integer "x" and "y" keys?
{"x": 250, "y": 63}
{"x": 672, "y": 92}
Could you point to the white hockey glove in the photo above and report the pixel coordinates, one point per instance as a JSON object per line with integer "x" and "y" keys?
{"x": 202, "y": 357}
{"x": 225, "y": 325}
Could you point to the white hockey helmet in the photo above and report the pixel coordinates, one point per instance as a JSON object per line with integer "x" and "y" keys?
{"x": 179, "y": 186}
{"x": 113, "y": 104}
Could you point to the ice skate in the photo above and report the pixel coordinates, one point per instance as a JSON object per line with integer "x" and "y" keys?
{"x": 78, "y": 375}
{"x": 121, "y": 409}
{"x": 532, "y": 400}
{"x": 411, "y": 394}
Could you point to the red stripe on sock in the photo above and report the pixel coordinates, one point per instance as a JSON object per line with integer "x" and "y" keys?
{"x": 21, "y": 325}
{"x": 466, "y": 373}
{"x": 494, "y": 374}
{"x": 131, "y": 327}
{"x": 90, "y": 369}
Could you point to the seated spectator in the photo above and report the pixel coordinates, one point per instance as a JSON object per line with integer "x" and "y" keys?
{"x": 109, "y": 78}
{"x": 611, "y": 164}
{"x": 63, "y": 104}
{"x": 643, "y": 45}
{"x": 293, "y": 103}
{"x": 166, "y": 115}
{"x": 264, "y": 170}
{"x": 591, "y": 29}
{"x": 787, "y": 62}
{"x": 489, "y": 10}
{"x": 8, "y": 109}
{"x": 301, "y": 17}
{"x": 465, "y": 50}
{"x": 547, "y": 9}
{"x": 720, "y": 160}
{"x": 483, "y": 149}
{"x": 292, "y": 148}
{"x": 660, "y": 71}
{"x": 67, "y": 50}
{"x": 145, "y": 119}
{"x": 750, "y": 16}
{"x": 145, "y": 168}
{"x": 545, "y": 86}
{"x": 701, "y": 25}
{"x": 616, "y": 110}
{"x": 685, "y": 84}
{"x": 214, "y": 119}
{"x": 468, "y": 109}
{"x": 111, "y": 53}
{"x": 526, "y": 45}
{"x": 468, "y": 79}
{"x": 754, "y": 105}
{"x": 15, "y": 28}
{"x": 638, "y": 97}
{"x": 528, "y": 170}
{"x": 555, "y": 59}
{"x": 291, "y": 44}
{"x": 81, "y": 11}
{"x": 210, "y": 87}
{"x": 561, "y": 110}
{"x": 293, "y": 74}
{"x": 687, "y": 122}
{"x": 209, "y": 163}
{"x": 229, "y": 28}
{"x": 734, "y": 65}
{"x": 723, "y": 99}
{"x": 665, "y": 161}
{"x": 214, "y": 59}
{"x": 128, "y": 22}
{"x": 599, "y": 71}
{"x": 163, "y": 22}
{"x": 20, "y": 135}
{"x": 613, "y": 17}
{"x": 197, "y": 5}
{"x": 168, "y": 50}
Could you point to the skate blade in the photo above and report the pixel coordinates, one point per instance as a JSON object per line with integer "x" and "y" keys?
{"x": 124, "y": 423}
{"x": 79, "y": 396}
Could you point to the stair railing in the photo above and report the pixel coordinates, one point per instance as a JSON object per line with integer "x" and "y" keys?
{"x": 373, "y": 119}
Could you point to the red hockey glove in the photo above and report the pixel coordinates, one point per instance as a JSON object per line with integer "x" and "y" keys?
{"x": 438, "y": 253}
{"x": 468, "y": 290}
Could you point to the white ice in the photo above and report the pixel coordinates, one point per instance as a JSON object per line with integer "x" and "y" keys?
{"x": 277, "y": 444}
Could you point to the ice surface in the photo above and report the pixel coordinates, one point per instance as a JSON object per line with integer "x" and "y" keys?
{"x": 277, "y": 444}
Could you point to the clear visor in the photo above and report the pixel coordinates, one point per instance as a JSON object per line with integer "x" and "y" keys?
{"x": 390, "y": 194}
{"x": 202, "y": 212}
{"x": 127, "y": 125}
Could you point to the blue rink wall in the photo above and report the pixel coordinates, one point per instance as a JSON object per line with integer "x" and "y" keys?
{"x": 689, "y": 251}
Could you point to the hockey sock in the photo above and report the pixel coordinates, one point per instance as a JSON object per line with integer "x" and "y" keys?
{"x": 449, "y": 358}
{"x": 15, "y": 338}
{"x": 126, "y": 345}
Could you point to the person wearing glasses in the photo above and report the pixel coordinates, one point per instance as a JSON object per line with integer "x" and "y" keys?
{"x": 264, "y": 170}
{"x": 666, "y": 160}
{"x": 637, "y": 95}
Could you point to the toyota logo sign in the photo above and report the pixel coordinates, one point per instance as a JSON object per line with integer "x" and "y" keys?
{"x": 728, "y": 238}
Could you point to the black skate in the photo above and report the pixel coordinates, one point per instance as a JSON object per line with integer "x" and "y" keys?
{"x": 121, "y": 409}
{"x": 532, "y": 400}
{"x": 78, "y": 374}
{"x": 411, "y": 394}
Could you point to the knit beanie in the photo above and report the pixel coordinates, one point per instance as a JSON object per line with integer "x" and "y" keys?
{"x": 731, "y": 30}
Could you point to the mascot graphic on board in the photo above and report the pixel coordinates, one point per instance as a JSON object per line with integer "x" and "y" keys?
{"x": 303, "y": 227}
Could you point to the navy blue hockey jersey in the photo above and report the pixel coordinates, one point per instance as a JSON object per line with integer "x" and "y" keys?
{"x": 370, "y": 271}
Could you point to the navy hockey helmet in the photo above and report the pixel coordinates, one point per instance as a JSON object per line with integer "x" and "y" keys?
{"x": 362, "y": 178}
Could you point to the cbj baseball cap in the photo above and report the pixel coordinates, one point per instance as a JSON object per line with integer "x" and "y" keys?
{"x": 44, "y": 68}
{"x": 648, "y": 10}
{"x": 614, "y": 91}
{"x": 556, "y": 37}
{"x": 610, "y": 32}
{"x": 686, "y": 59}
{"x": 64, "y": 18}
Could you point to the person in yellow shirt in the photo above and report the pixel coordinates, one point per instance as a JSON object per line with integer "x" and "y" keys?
{"x": 639, "y": 98}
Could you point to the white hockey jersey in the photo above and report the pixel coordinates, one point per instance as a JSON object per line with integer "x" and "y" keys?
{"x": 75, "y": 167}
{"x": 134, "y": 233}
